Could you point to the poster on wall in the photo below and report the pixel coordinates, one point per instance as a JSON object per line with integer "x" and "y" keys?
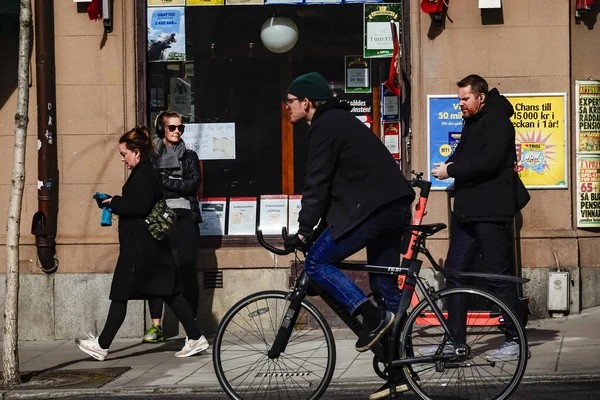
{"x": 376, "y": 28}
{"x": 166, "y": 34}
{"x": 243, "y": 2}
{"x": 273, "y": 213}
{"x": 391, "y": 138}
{"x": 444, "y": 126}
{"x": 212, "y": 211}
{"x": 242, "y": 216}
{"x": 294, "y": 207}
{"x": 205, "y": 2}
{"x": 361, "y": 104}
{"x": 541, "y": 138}
{"x": 163, "y": 3}
{"x": 588, "y": 190}
{"x": 211, "y": 141}
{"x": 358, "y": 74}
{"x": 587, "y": 116}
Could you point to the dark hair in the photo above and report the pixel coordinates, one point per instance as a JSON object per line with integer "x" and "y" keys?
{"x": 138, "y": 139}
{"x": 158, "y": 122}
{"x": 477, "y": 83}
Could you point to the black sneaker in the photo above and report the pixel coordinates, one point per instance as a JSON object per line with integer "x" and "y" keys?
{"x": 385, "y": 391}
{"x": 369, "y": 338}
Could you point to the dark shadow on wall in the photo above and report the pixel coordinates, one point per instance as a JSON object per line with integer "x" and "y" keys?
{"x": 590, "y": 17}
{"x": 9, "y": 37}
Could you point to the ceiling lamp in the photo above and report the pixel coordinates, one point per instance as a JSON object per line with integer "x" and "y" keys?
{"x": 279, "y": 34}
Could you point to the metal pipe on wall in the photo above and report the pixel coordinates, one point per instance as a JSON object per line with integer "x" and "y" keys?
{"x": 44, "y": 222}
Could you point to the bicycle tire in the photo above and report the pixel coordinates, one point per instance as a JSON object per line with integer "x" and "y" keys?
{"x": 474, "y": 375}
{"x": 246, "y": 334}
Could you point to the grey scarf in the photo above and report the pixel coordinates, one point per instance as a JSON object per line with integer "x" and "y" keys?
{"x": 168, "y": 158}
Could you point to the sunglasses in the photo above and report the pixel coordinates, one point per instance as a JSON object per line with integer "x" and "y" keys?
{"x": 172, "y": 128}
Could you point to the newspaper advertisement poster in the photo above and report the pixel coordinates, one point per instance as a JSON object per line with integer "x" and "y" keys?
{"x": 166, "y": 34}
{"x": 212, "y": 211}
{"x": 294, "y": 207}
{"x": 211, "y": 141}
{"x": 377, "y": 33}
{"x": 588, "y": 190}
{"x": 242, "y": 216}
{"x": 541, "y": 138}
{"x": 587, "y": 116}
{"x": 273, "y": 213}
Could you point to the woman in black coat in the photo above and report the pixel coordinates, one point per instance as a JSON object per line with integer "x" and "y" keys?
{"x": 145, "y": 268}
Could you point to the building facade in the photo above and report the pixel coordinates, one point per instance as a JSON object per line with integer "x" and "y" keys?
{"x": 105, "y": 84}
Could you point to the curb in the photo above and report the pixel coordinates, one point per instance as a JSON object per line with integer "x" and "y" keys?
{"x": 178, "y": 390}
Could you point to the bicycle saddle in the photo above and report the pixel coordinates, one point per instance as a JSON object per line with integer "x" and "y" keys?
{"x": 428, "y": 229}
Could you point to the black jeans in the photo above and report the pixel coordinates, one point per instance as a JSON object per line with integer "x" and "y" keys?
{"x": 492, "y": 241}
{"x": 184, "y": 244}
{"x": 118, "y": 311}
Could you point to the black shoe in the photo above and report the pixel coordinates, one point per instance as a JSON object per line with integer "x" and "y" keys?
{"x": 385, "y": 391}
{"x": 369, "y": 338}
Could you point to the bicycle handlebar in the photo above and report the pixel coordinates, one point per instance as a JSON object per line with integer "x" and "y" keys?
{"x": 271, "y": 248}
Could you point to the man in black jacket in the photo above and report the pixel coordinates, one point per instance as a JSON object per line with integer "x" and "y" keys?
{"x": 354, "y": 184}
{"x": 482, "y": 166}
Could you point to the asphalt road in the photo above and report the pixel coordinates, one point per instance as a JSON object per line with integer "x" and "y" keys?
{"x": 584, "y": 390}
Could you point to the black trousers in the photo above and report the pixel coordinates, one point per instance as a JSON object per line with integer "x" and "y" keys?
{"x": 492, "y": 241}
{"x": 184, "y": 244}
{"x": 118, "y": 311}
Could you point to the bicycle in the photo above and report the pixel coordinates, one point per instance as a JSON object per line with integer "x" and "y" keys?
{"x": 276, "y": 344}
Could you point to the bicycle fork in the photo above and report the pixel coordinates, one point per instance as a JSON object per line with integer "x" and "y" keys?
{"x": 291, "y": 316}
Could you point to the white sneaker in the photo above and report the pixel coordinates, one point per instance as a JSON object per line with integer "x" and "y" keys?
{"x": 91, "y": 347}
{"x": 192, "y": 347}
{"x": 509, "y": 351}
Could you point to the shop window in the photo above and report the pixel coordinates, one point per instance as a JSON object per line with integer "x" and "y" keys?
{"x": 235, "y": 79}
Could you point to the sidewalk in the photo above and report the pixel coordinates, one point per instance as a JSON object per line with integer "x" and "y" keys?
{"x": 565, "y": 347}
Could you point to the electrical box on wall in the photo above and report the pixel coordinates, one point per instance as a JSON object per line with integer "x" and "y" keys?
{"x": 558, "y": 292}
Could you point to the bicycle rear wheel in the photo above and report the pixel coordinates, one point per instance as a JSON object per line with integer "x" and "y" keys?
{"x": 478, "y": 371}
{"x": 245, "y": 336}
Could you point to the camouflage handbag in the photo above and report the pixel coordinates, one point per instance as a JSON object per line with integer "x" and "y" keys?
{"x": 160, "y": 221}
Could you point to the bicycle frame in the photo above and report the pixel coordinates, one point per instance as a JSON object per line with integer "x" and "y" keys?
{"x": 480, "y": 319}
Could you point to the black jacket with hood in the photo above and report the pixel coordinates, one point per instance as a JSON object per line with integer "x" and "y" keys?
{"x": 483, "y": 164}
{"x": 349, "y": 172}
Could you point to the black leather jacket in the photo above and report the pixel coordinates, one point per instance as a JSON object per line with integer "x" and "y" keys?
{"x": 188, "y": 186}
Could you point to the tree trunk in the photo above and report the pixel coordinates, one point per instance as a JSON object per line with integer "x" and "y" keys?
{"x": 10, "y": 362}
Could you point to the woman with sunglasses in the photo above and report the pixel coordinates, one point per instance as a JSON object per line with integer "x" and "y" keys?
{"x": 179, "y": 170}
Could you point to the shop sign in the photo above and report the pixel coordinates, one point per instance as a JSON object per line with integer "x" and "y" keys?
{"x": 540, "y": 136}
{"x": 588, "y": 190}
{"x": 273, "y": 213}
{"x": 166, "y": 34}
{"x": 390, "y": 105}
{"x": 361, "y": 104}
{"x": 587, "y": 116}
{"x": 358, "y": 74}
{"x": 377, "y": 33}
{"x": 391, "y": 138}
{"x": 242, "y": 216}
{"x": 212, "y": 211}
{"x": 206, "y": 2}
{"x": 163, "y": 3}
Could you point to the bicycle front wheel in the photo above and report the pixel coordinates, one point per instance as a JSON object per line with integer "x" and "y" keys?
{"x": 480, "y": 366}
{"x": 247, "y": 332}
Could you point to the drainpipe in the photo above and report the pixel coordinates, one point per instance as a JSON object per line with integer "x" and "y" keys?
{"x": 44, "y": 220}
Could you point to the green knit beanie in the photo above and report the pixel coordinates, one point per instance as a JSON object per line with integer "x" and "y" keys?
{"x": 311, "y": 86}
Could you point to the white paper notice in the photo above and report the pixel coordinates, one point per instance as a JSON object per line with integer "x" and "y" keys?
{"x": 294, "y": 206}
{"x": 490, "y": 3}
{"x": 391, "y": 142}
{"x": 242, "y": 216}
{"x": 212, "y": 211}
{"x": 273, "y": 213}
{"x": 181, "y": 95}
{"x": 214, "y": 141}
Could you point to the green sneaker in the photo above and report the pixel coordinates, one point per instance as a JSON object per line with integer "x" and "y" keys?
{"x": 153, "y": 335}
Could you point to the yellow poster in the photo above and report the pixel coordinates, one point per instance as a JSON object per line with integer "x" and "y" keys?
{"x": 541, "y": 131}
{"x": 158, "y": 3}
{"x": 205, "y": 2}
{"x": 587, "y": 116}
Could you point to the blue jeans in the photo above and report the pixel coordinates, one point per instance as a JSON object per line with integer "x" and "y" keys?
{"x": 381, "y": 233}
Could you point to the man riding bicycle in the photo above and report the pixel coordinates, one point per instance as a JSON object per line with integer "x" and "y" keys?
{"x": 353, "y": 182}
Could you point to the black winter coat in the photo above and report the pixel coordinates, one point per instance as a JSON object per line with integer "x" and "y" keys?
{"x": 145, "y": 268}
{"x": 483, "y": 164}
{"x": 349, "y": 172}
{"x": 188, "y": 186}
